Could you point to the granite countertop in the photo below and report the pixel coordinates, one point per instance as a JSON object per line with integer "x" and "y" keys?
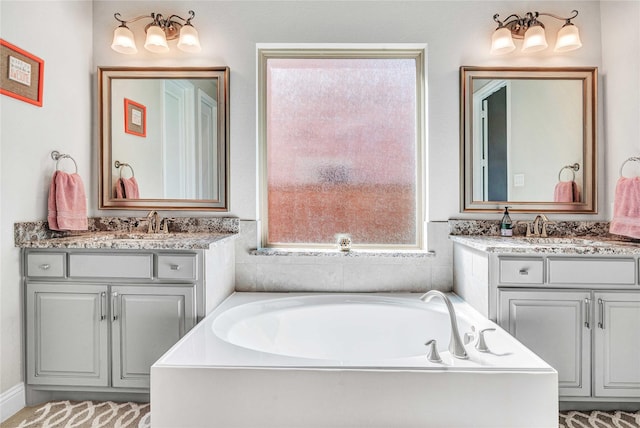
{"x": 118, "y": 233}
{"x": 596, "y": 245}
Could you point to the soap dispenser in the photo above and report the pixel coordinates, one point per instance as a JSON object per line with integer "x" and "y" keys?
{"x": 506, "y": 224}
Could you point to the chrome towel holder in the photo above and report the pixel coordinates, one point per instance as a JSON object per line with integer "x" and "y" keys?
{"x": 57, "y": 156}
{"x": 575, "y": 167}
{"x": 631, "y": 159}
{"x": 119, "y": 164}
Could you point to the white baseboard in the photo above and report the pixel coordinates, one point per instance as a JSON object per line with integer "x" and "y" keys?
{"x": 12, "y": 401}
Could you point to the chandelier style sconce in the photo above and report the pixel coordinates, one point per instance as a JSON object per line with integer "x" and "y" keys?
{"x": 158, "y": 32}
{"x": 532, "y": 31}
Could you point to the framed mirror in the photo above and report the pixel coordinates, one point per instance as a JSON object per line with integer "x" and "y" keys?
{"x": 528, "y": 139}
{"x": 164, "y": 138}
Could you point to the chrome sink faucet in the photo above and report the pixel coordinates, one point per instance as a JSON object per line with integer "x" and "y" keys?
{"x": 455, "y": 343}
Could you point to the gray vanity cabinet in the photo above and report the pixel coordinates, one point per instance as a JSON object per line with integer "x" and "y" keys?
{"x": 579, "y": 313}
{"x": 101, "y": 319}
{"x": 617, "y": 344}
{"x": 554, "y": 324}
{"x": 67, "y": 334}
{"x": 146, "y": 322}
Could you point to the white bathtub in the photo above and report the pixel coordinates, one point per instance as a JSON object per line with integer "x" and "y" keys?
{"x": 281, "y": 360}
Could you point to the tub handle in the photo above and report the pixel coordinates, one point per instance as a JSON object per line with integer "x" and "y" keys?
{"x": 470, "y": 335}
{"x": 482, "y": 345}
{"x": 433, "y": 354}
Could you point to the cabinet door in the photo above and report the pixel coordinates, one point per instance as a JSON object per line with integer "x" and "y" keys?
{"x": 617, "y": 344}
{"x": 67, "y": 334}
{"x": 146, "y": 322}
{"x": 555, "y": 325}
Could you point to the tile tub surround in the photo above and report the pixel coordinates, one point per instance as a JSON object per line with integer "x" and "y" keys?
{"x": 129, "y": 233}
{"x": 335, "y": 271}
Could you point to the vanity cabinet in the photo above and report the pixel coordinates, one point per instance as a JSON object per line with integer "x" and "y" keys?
{"x": 554, "y": 325}
{"x": 579, "y": 313}
{"x": 97, "y": 320}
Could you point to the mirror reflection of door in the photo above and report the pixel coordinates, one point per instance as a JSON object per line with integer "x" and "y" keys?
{"x": 178, "y": 152}
{"x": 207, "y": 186}
{"x": 491, "y": 155}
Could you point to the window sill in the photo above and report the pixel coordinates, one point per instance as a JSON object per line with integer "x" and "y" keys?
{"x": 336, "y": 253}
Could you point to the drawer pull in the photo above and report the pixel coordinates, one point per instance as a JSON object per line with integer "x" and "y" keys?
{"x": 45, "y": 266}
{"x": 175, "y": 267}
{"x": 601, "y": 307}
{"x": 524, "y": 271}
{"x": 587, "y": 310}
{"x": 114, "y": 305}
{"x": 103, "y": 303}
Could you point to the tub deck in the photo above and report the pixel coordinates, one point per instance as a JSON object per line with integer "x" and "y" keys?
{"x": 207, "y": 381}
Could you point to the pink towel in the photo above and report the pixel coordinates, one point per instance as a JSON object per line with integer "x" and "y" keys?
{"x": 127, "y": 188}
{"x": 131, "y": 188}
{"x": 566, "y": 191}
{"x": 626, "y": 208}
{"x": 67, "y": 202}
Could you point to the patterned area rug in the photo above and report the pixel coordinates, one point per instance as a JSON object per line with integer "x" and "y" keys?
{"x": 597, "y": 419}
{"x": 82, "y": 414}
{"x": 107, "y": 414}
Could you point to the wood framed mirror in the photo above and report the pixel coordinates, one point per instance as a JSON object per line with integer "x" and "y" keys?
{"x": 528, "y": 139}
{"x": 164, "y": 138}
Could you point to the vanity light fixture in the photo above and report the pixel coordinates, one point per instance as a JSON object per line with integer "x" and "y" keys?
{"x": 532, "y": 31}
{"x": 158, "y": 32}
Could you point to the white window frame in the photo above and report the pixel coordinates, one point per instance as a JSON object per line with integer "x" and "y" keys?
{"x": 305, "y": 50}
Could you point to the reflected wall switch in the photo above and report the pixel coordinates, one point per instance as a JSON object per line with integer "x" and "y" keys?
{"x": 518, "y": 180}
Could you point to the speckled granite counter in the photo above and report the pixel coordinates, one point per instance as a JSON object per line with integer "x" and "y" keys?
{"x": 129, "y": 233}
{"x": 552, "y": 245}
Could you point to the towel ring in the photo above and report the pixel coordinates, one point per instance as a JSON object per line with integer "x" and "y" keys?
{"x": 57, "y": 156}
{"x": 631, "y": 159}
{"x": 575, "y": 167}
{"x": 119, "y": 164}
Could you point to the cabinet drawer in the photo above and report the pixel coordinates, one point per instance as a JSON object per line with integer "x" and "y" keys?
{"x": 592, "y": 271}
{"x": 50, "y": 265}
{"x": 111, "y": 265}
{"x": 521, "y": 270}
{"x": 177, "y": 266}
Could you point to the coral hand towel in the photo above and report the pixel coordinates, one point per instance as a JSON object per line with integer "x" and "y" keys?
{"x": 119, "y": 189}
{"x": 626, "y": 208}
{"x": 67, "y": 202}
{"x": 566, "y": 191}
{"x": 131, "y": 188}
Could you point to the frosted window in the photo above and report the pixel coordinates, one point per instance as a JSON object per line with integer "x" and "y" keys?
{"x": 341, "y": 150}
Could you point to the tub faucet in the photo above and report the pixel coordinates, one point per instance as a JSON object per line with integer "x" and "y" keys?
{"x": 455, "y": 343}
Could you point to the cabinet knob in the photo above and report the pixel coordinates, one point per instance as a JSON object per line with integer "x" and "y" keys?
{"x": 45, "y": 266}
{"x": 524, "y": 271}
{"x": 175, "y": 267}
